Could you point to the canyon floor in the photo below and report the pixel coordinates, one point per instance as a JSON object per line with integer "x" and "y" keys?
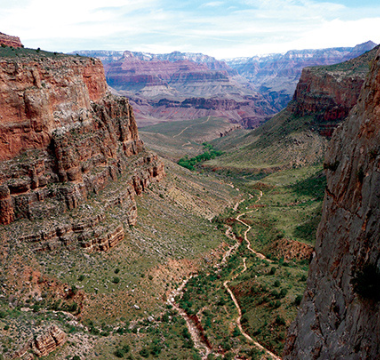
{"x": 193, "y": 227}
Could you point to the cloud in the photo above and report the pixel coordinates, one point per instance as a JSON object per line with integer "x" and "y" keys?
{"x": 212, "y": 4}
{"x": 214, "y": 28}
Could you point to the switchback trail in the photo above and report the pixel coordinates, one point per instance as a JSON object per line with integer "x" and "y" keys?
{"x": 225, "y": 284}
{"x": 199, "y": 342}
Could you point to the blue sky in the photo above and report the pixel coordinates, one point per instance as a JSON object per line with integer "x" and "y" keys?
{"x": 219, "y": 28}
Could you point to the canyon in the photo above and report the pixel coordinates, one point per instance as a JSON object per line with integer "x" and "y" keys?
{"x": 97, "y": 232}
{"x": 338, "y": 318}
{"x": 65, "y": 138}
{"x": 182, "y": 86}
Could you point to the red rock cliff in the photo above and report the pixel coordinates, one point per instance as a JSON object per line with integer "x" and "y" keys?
{"x": 328, "y": 93}
{"x": 8, "y": 40}
{"x": 64, "y": 141}
{"x": 336, "y": 319}
{"x": 43, "y": 94}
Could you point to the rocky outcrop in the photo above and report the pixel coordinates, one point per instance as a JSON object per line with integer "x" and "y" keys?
{"x": 329, "y": 93}
{"x": 339, "y": 317}
{"x": 48, "y": 342}
{"x": 8, "y": 40}
{"x": 44, "y": 94}
{"x": 70, "y": 151}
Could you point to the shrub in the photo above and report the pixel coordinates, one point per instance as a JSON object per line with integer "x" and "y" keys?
{"x": 119, "y": 353}
{"x": 144, "y": 352}
{"x": 75, "y": 357}
{"x": 277, "y": 283}
{"x": 81, "y": 277}
{"x": 280, "y": 320}
{"x": 360, "y": 175}
{"x": 298, "y": 300}
{"x": 272, "y": 271}
{"x": 117, "y": 270}
{"x": 116, "y": 280}
{"x": 331, "y": 166}
{"x": 366, "y": 282}
{"x": 283, "y": 293}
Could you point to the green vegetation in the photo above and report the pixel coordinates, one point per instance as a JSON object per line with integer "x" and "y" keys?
{"x": 8, "y": 51}
{"x": 209, "y": 153}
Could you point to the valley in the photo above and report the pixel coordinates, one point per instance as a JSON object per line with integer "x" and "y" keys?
{"x": 198, "y": 238}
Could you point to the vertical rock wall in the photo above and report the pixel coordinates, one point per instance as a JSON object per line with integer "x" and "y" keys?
{"x": 334, "y": 321}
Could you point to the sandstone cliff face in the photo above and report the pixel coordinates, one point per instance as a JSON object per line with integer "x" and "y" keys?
{"x": 65, "y": 141}
{"x": 334, "y": 321}
{"x": 329, "y": 93}
{"x": 9, "y": 40}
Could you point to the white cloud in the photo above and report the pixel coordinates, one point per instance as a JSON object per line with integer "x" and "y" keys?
{"x": 250, "y": 27}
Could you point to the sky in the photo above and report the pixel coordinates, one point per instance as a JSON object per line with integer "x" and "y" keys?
{"x": 223, "y": 29}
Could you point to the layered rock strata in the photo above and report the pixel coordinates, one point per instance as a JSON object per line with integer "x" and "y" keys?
{"x": 46, "y": 343}
{"x": 66, "y": 142}
{"x": 9, "y": 40}
{"x": 336, "y": 319}
{"x": 328, "y": 93}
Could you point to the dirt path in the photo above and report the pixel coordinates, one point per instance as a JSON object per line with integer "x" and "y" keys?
{"x": 188, "y": 127}
{"x": 199, "y": 343}
{"x": 238, "y": 320}
{"x": 225, "y": 284}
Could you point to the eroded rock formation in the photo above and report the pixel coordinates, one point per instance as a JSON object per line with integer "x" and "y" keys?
{"x": 328, "y": 93}
{"x": 336, "y": 320}
{"x": 66, "y": 144}
{"x": 9, "y": 40}
{"x": 46, "y": 343}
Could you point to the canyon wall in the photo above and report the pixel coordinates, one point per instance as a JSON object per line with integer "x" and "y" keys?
{"x": 339, "y": 314}
{"x": 9, "y": 40}
{"x": 328, "y": 93}
{"x": 279, "y": 73}
{"x": 66, "y": 142}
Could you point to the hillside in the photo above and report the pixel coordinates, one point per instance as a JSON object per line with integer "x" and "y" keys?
{"x": 297, "y": 136}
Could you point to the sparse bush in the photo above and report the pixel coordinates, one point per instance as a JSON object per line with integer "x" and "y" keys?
{"x": 331, "y": 166}
{"x": 280, "y": 320}
{"x": 119, "y": 353}
{"x": 144, "y": 352}
{"x": 361, "y": 175}
{"x": 366, "y": 282}
{"x": 298, "y": 300}
{"x": 81, "y": 277}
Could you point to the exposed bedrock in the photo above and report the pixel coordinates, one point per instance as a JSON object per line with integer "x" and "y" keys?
{"x": 65, "y": 142}
{"x": 336, "y": 319}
